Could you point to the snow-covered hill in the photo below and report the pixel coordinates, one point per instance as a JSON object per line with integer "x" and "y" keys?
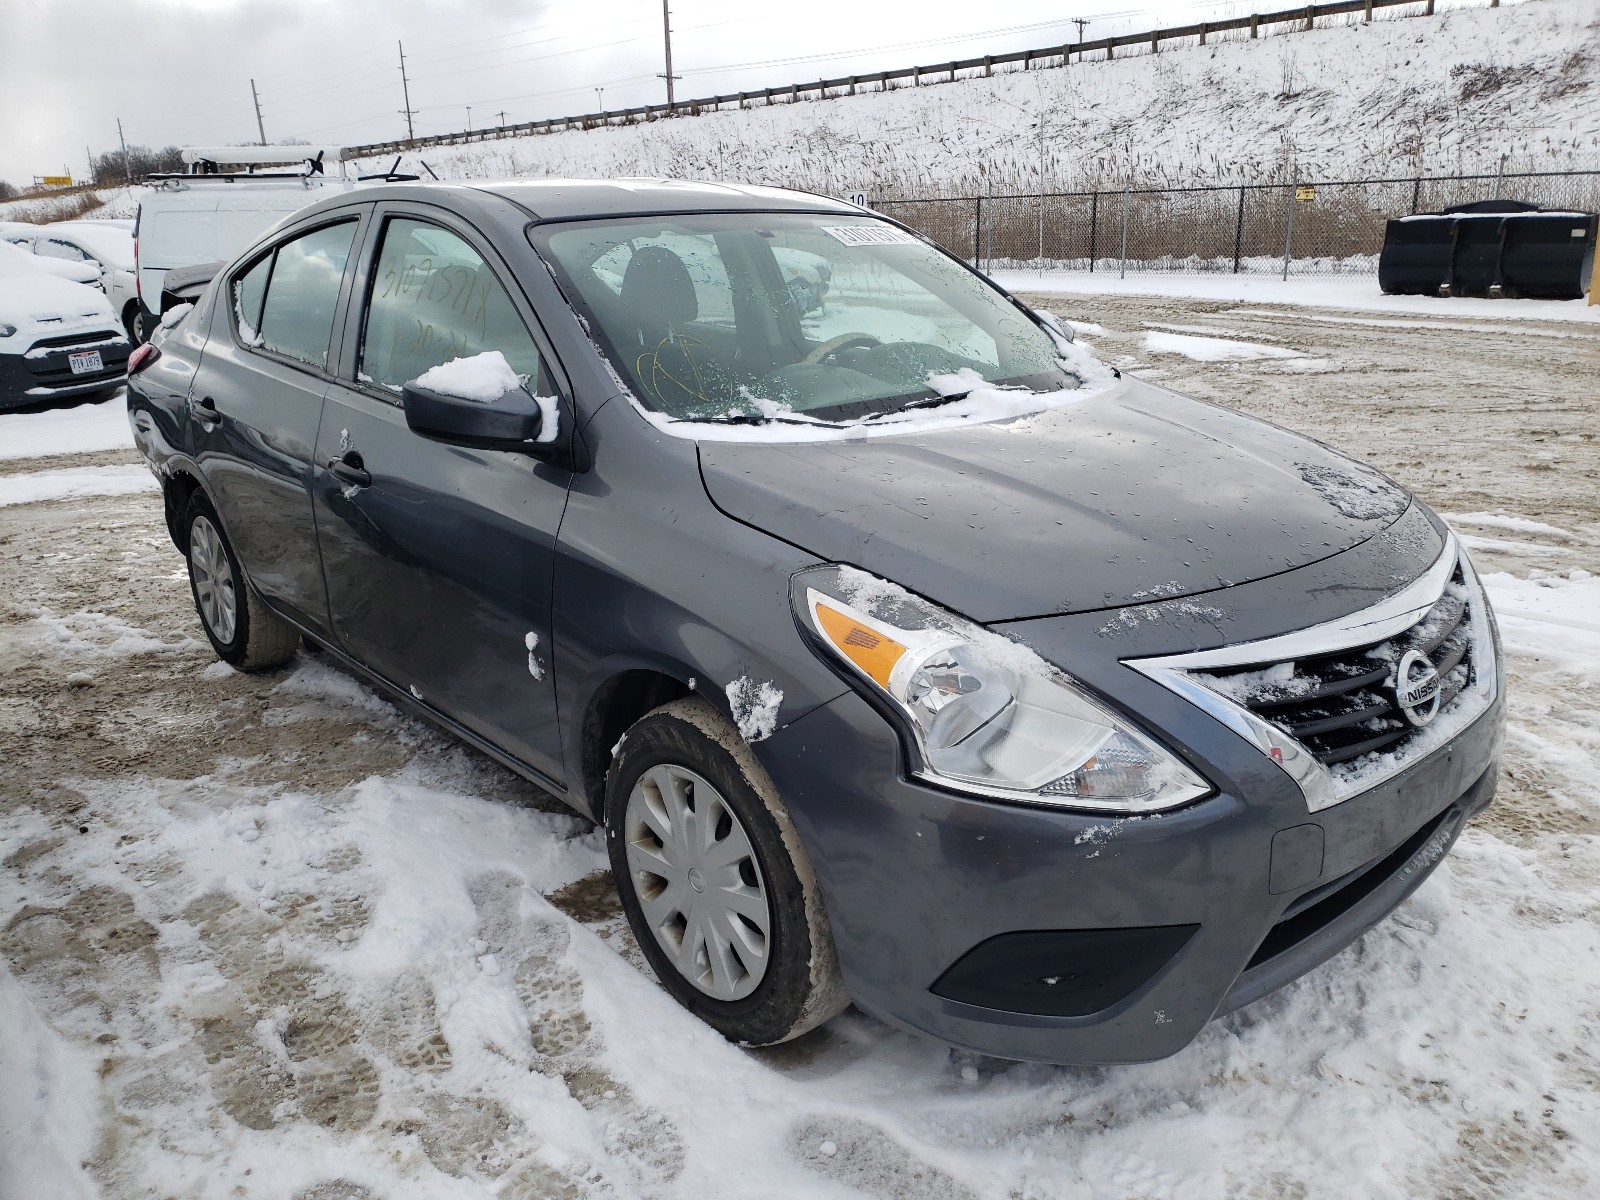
{"x": 1411, "y": 94}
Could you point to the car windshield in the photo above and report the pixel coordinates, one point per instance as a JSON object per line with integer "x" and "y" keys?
{"x": 774, "y": 316}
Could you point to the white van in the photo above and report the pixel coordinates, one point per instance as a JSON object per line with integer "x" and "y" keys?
{"x": 219, "y": 206}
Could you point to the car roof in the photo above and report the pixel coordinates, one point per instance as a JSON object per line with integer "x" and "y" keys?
{"x": 572, "y": 199}
{"x": 559, "y": 199}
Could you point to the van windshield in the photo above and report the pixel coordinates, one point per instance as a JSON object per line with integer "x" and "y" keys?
{"x": 753, "y": 316}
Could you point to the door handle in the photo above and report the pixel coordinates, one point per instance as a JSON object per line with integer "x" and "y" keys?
{"x": 350, "y": 470}
{"x": 205, "y": 411}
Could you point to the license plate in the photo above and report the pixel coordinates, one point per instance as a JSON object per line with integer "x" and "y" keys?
{"x": 85, "y": 362}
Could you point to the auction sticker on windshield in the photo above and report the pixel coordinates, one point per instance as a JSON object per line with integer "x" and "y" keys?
{"x": 870, "y": 235}
{"x": 85, "y": 362}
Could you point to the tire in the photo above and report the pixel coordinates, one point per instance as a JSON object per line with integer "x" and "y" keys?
{"x": 135, "y": 322}
{"x": 764, "y": 986}
{"x": 242, "y": 630}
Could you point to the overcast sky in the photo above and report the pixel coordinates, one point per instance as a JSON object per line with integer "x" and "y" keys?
{"x": 179, "y": 71}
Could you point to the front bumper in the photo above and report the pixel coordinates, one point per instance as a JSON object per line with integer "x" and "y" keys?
{"x": 916, "y": 878}
{"x": 44, "y": 372}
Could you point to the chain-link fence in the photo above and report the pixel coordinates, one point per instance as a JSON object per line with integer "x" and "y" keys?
{"x": 1301, "y": 228}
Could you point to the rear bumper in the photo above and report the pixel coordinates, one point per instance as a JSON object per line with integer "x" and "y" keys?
{"x": 916, "y": 880}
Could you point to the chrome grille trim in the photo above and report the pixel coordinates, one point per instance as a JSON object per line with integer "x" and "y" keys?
{"x": 1324, "y": 787}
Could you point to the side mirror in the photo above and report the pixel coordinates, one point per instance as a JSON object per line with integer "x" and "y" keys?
{"x": 511, "y": 422}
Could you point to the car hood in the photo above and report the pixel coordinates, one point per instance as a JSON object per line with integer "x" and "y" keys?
{"x": 28, "y": 297}
{"x": 1135, "y": 495}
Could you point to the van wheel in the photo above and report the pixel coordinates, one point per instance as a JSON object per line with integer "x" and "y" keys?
{"x": 715, "y": 883}
{"x": 133, "y": 320}
{"x": 241, "y": 629}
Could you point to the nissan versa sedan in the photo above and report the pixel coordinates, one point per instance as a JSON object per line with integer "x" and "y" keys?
{"x": 907, "y": 655}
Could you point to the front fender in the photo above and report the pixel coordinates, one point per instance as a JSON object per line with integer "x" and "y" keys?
{"x": 650, "y": 576}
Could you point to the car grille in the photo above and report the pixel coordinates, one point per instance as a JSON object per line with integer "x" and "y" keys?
{"x": 75, "y": 339}
{"x": 1342, "y": 705}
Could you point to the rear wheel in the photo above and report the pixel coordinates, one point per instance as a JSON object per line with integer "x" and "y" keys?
{"x": 133, "y": 320}
{"x": 715, "y": 883}
{"x": 241, "y": 629}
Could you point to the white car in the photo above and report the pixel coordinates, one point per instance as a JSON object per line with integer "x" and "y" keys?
{"x": 57, "y": 338}
{"x": 105, "y": 245}
{"x": 22, "y": 256}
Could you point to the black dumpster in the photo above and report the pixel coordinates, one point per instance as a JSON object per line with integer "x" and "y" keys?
{"x": 1491, "y": 248}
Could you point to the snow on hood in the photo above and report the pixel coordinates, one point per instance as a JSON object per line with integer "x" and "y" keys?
{"x": 36, "y": 303}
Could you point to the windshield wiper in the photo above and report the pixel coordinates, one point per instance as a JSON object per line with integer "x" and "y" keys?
{"x": 748, "y": 419}
{"x": 923, "y": 402}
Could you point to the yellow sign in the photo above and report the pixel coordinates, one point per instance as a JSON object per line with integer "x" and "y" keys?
{"x": 56, "y": 180}
{"x": 1304, "y": 192}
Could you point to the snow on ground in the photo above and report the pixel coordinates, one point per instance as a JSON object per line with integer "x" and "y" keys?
{"x": 112, "y": 203}
{"x": 1510, "y": 80}
{"x": 1211, "y": 349}
{"x": 1351, "y": 293}
{"x": 266, "y": 937}
{"x": 253, "y": 982}
{"x": 76, "y": 430}
{"x": 70, "y": 483}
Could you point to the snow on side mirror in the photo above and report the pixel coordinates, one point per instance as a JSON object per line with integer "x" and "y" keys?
{"x": 481, "y": 403}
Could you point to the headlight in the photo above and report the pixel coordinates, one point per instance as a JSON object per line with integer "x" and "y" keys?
{"x": 988, "y": 715}
{"x": 6, "y": 330}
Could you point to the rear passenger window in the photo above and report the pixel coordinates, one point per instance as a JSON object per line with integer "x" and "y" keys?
{"x": 435, "y": 299}
{"x": 302, "y": 291}
{"x": 249, "y": 290}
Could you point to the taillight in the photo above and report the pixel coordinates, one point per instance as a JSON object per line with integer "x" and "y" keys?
{"x": 142, "y": 357}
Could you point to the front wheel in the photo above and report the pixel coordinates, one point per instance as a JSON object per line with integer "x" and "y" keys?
{"x": 715, "y": 883}
{"x": 242, "y": 630}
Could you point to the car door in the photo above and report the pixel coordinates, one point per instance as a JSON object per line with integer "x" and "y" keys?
{"x": 257, "y": 403}
{"x": 439, "y": 558}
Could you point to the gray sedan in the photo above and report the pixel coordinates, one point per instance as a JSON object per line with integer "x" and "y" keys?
{"x": 907, "y": 654}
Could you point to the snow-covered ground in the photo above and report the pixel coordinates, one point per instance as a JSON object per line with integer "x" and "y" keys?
{"x": 266, "y": 937}
{"x": 1351, "y": 294}
{"x": 120, "y": 203}
{"x": 79, "y": 429}
{"x": 1438, "y": 95}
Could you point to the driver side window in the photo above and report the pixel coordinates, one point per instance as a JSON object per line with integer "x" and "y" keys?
{"x": 433, "y": 298}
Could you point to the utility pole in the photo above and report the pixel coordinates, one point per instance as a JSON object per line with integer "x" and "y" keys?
{"x": 89, "y": 154}
{"x": 1080, "y": 22}
{"x": 600, "y": 98}
{"x": 260, "y": 128}
{"x": 469, "y": 118}
{"x": 405, "y": 90}
{"x": 127, "y": 167}
{"x": 666, "y": 35}
{"x": 502, "y": 115}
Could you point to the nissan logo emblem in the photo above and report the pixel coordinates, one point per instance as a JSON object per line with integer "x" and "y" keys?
{"x": 1416, "y": 688}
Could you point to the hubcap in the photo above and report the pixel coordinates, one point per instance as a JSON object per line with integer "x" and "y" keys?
{"x": 698, "y": 882}
{"x": 214, "y": 590}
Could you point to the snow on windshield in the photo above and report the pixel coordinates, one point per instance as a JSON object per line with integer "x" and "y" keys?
{"x": 722, "y": 325}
